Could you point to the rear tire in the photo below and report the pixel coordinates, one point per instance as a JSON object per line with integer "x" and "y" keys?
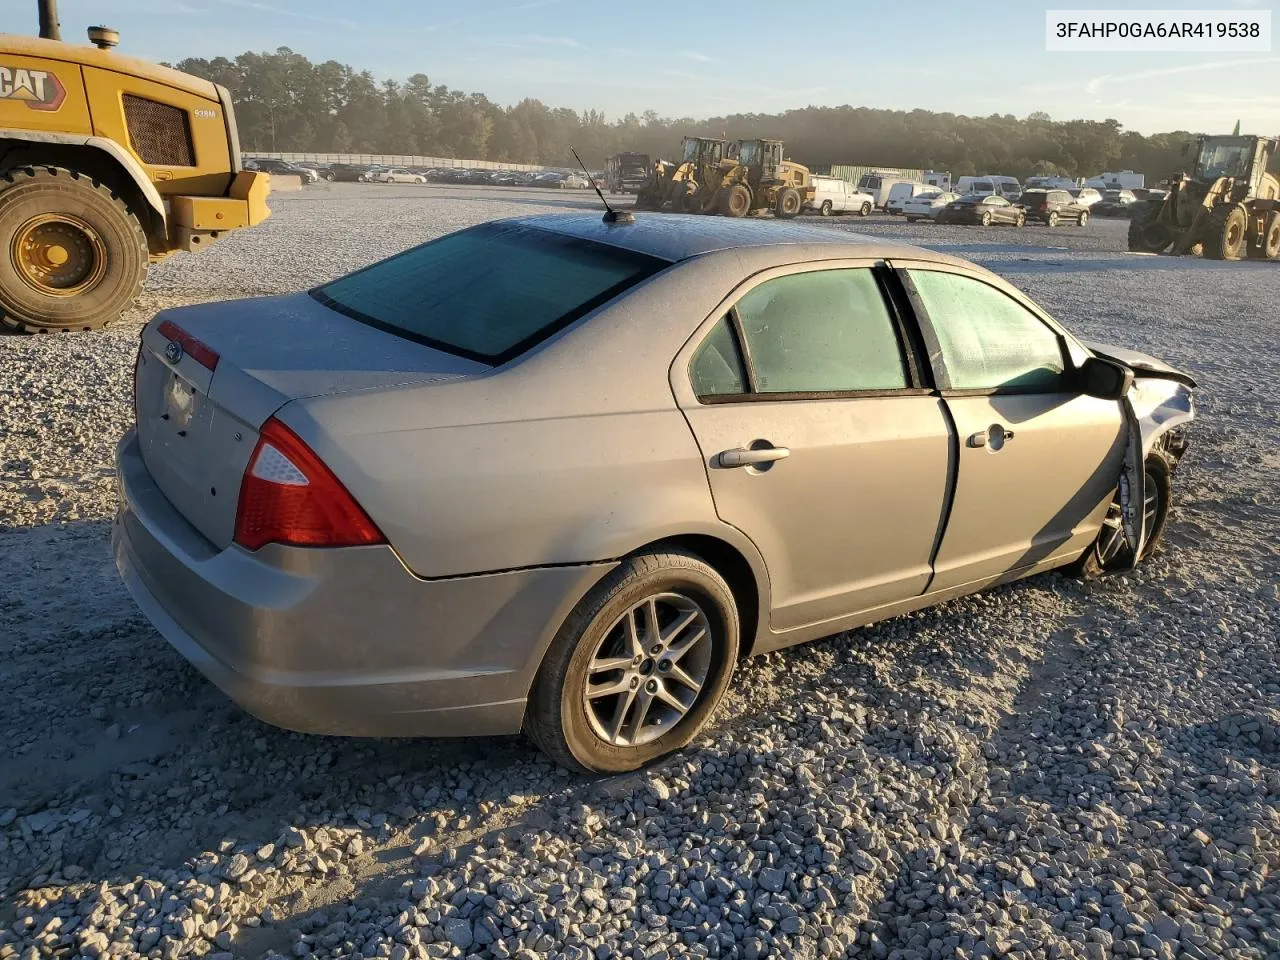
{"x": 866, "y": 210}
{"x": 1053, "y": 218}
{"x": 736, "y": 201}
{"x": 1021, "y": 221}
{"x": 1269, "y": 247}
{"x": 574, "y": 730}
{"x": 825, "y": 209}
{"x": 76, "y": 255}
{"x": 986, "y": 219}
{"x": 1225, "y": 232}
{"x": 1083, "y": 220}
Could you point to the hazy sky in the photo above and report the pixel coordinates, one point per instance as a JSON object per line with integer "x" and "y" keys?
{"x": 704, "y": 58}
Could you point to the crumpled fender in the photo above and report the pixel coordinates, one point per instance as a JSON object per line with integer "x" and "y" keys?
{"x": 1160, "y": 397}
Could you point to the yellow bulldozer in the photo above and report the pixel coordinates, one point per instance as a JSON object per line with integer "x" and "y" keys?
{"x": 1227, "y": 207}
{"x": 735, "y": 178}
{"x": 107, "y": 164}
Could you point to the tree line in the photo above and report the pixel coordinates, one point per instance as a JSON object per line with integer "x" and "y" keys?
{"x": 284, "y": 102}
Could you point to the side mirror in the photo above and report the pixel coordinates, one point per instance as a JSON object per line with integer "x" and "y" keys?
{"x": 1104, "y": 379}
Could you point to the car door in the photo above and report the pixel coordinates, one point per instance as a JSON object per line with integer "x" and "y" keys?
{"x": 821, "y": 443}
{"x": 1038, "y": 461}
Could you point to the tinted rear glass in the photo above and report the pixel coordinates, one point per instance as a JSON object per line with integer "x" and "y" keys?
{"x": 488, "y": 293}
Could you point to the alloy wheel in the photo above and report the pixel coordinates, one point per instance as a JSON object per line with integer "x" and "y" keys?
{"x": 648, "y": 670}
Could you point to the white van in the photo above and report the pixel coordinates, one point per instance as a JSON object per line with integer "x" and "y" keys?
{"x": 879, "y": 184}
{"x": 980, "y": 185}
{"x": 900, "y": 193}
{"x": 1007, "y": 187}
{"x": 988, "y": 184}
{"x": 834, "y": 195}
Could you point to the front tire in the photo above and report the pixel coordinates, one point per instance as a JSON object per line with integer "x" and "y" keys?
{"x": 1053, "y": 218}
{"x": 1109, "y": 551}
{"x": 788, "y": 204}
{"x": 1021, "y": 221}
{"x": 1083, "y": 220}
{"x": 74, "y": 256}
{"x": 638, "y": 668}
{"x": 866, "y": 210}
{"x": 736, "y": 201}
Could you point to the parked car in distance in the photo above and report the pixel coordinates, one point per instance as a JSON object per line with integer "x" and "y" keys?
{"x": 1086, "y": 196}
{"x": 282, "y": 167}
{"x": 397, "y": 175}
{"x": 1054, "y": 206}
{"x": 385, "y": 436}
{"x": 348, "y": 172}
{"x": 927, "y": 206}
{"x": 900, "y": 193}
{"x": 1007, "y": 187}
{"x": 984, "y": 210}
{"x": 575, "y": 181}
{"x": 1115, "y": 203}
{"x": 548, "y": 178}
{"x": 832, "y": 195}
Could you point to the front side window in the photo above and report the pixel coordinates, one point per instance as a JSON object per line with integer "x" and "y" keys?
{"x": 487, "y": 293}
{"x": 823, "y": 331}
{"x": 988, "y": 340}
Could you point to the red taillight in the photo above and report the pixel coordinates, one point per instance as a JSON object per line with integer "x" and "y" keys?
{"x": 289, "y": 496}
{"x": 197, "y": 350}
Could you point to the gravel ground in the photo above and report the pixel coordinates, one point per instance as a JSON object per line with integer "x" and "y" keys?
{"x": 1052, "y": 769}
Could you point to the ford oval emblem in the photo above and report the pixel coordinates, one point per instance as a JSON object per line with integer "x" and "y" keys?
{"x": 173, "y": 351}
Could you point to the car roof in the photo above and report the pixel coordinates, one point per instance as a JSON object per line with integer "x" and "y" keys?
{"x": 675, "y": 237}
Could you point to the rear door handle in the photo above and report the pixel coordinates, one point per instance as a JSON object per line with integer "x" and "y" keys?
{"x": 745, "y": 457}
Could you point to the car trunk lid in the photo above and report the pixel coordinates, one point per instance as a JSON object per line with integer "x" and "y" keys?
{"x": 198, "y": 411}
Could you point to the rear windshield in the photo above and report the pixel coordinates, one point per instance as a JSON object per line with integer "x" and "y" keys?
{"x": 488, "y": 293}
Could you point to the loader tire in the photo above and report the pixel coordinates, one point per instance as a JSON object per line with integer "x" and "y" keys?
{"x": 1146, "y": 235}
{"x": 788, "y": 204}
{"x": 76, "y": 256}
{"x": 1225, "y": 232}
{"x": 1268, "y": 245}
{"x": 736, "y": 201}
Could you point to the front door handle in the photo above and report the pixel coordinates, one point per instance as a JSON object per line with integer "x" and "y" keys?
{"x": 993, "y": 438}
{"x": 748, "y": 456}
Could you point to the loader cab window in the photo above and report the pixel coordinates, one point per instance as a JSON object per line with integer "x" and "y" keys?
{"x": 690, "y": 151}
{"x": 1223, "y": 160}
{"x": 749, "y": 154}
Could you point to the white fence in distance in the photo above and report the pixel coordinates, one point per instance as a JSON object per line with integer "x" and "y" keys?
{"x": 397, "y": 160}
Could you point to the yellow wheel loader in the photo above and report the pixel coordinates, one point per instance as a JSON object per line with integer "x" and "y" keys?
{"x": 107, "y": 164}
{"x": 674, "y": 185}
{"x": 1226, "y": 208}
{"x": 756, "y": 178}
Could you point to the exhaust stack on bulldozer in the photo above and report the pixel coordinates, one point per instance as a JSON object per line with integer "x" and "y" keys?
{"x": 107, "y": 164}
{"x": 1227, "y": 207}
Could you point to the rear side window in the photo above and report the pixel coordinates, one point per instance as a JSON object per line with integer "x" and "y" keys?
{"x": 823, "y": 331}
{"x": 717, "y": 369}
{"x": 488, "y": 293}
{"x": 988, "y": 340}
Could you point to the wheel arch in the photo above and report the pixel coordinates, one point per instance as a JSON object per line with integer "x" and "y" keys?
{"x": 100, "y": 158}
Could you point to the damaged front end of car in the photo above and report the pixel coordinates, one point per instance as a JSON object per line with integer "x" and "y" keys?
{"x": 1159, "y": 408}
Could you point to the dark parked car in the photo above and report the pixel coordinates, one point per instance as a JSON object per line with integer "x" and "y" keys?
{"x": 983, "y": 209}
{"x": 1115, "y": 203}
{"x": 283, "y": 167}
{"x": 349, "y": 172}
{"x": 1053, "y": 206}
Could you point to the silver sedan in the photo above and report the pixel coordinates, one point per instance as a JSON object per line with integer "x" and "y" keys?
{"x": 558, "y": 475}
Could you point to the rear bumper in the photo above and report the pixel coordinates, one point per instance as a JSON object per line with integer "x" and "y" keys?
{"x": 344, "y": 641}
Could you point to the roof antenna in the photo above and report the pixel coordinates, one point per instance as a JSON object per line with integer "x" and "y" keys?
{"x": 611, "y": 215}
